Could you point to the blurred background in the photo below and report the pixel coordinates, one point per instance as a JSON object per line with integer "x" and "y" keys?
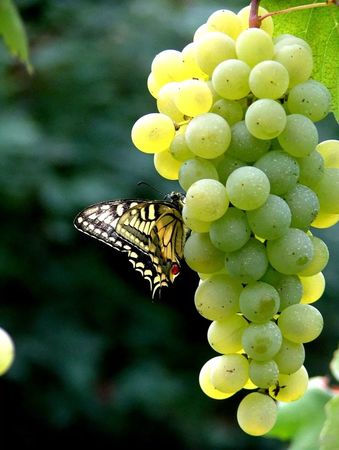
{"x": 98, "y": 362}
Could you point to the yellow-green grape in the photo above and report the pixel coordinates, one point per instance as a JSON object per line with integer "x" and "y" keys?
{"x": 300, "y": 323}
{"x": 265, "y": 118}
{"x": 319, "y": 260}
{"x": 217, "y": 297}
{"x": 166, "y": 104}
{"x": 325, "y": 220}
{"x": 290, "y": 387}
{"x": 225, "y": 21}
{"x": 303, "y": 204}
{"x": 190, "y": 61}
{"x": 200, "y": 31}
{"x": 152, "y": 85}
{"x": 167, "y": 166}
{"x": 168, "y": 66}
{"x": 229, "y": 373}
{"x": 311, "y": 169}
{"x": 212, "y": 48}
{"x": 269, "y": 79}
{"x": 290, "y": 357}
{"x": 289, "y": 39}
{"x": 257, "y": 414}
{"x": 196, "y": 169}
{"x": 289, "y": 287}
{"x": 259, "y": 302}
{"x": 230, "y": 79}
{"x": 206, "y": 384}
{"x": 327, "y": 191}
{"x": 193, "y": 97}
{"x": 329, "y": 150}
{"x": 263, "y": 373}
{"x": 298, "y": 61}
{"x": 208, "y": 135}
{"x": 266, "y": 25}
{"x": 6, "y": 351}
{"x": 201, "y": 255}
{"x": 313, "y": 288}
{"x": 153, "y": 133}
{"x": 253, "y": 46}
{"x": 227, "y": 165}
{"x": 230, "y": 110}
{"x": 224, "y": 336}
{"x": 179, "y": 148}
{"x": 244, "y": 145}
{"x": 299, "y": 137}
{"x": 262, "y": 341}
{"x": 200, "y": 226}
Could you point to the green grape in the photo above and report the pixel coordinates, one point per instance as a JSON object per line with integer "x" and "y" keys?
{"x": 167, "y": 166}
{"x": 289, "y": 287}
{"x": 193, "y": 97}
{"x": 217, "y": 297}
{"x": 329, "y": 150}
{"x": 311, "y": 169}
{"x": 298, "y": 61}
{"x": 200, "y": 31}
{"x": 264, "y": 373}
{"x": 230, "y": 110}
{"x": 291, "y": 387}
{"x": 259, "y": 302}
{"x": 300, "y": 136}
{"x": 289, "y": 39}
{"x": 168, "y": 66}
{"x": 206, "y": 384}
{"x": 290, "y": 357}
{"x": 300, "y": 323}
{"x": 153, "y": 133}
{"x": 269, "y": 79}
{"x": 196, "y": 169}
{"x": 265, "y": 118}
{"x": 165, "y": 102}
{"x": 152, "y": 85}
{"x": 272, "y": 219}
{"x": 201, "y": 255}
{"x": 231, "y": 231}
{"x": 248, "y": 187}
{"x": 266, "y": 25}
{"x": 225, "y": 21}
{"x": 244, "y": 145}
{"x": 226, "y": 166}
{"x": 257, "y": 414}
{"x": 224, "y": 336}
{"x": 325, "y": 220}
{"x": 200, "y": 226}
{"x": 290, "y": 253}
{"x": 190, "y": 61}
{"x": 206, "y": 200}
{"x": 327, "y": 191}
{"x": 313, "y": 287}
{"x": 229, "y": 373}
{"x": 304, "y": 206}
{"x": 262, "y": 341}
{"x": 249, "y": 263}
{"x": 253, "y": 46}
{"x": 7, "y": 351}
{"x": 212, "y": 48}
{"x": 230, "y": 79}
{"x": 281, "y": 169}
{"x": 179, "y": 148}
{"x": 311, "y": 99}
{"x": 208, "y": 135}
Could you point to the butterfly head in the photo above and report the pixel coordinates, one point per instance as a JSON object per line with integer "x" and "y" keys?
{"x": 177, "y": 198}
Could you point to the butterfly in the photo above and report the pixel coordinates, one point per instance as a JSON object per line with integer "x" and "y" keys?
{"x": 152, "y": 233}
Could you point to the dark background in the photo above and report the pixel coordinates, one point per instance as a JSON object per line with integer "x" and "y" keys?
{"x": 97, "y": 362}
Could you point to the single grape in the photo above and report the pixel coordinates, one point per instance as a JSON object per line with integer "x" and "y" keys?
{"x": 7, "y": 351}
{"x": 299, "y": 137}
{"x": 225, "y": 21}
{"x": 165, "y": 102}
{"x": 206, "y": 384}
{"x": 212, "y": 48}
{"x": 298, "y": 61}
{"x": 231, "y": 231}
{"x": 196, "y": 169}
{"x": 313, "y": 287}
{"x": 290, "y": 357}
{"x": 193, "y": 97}
{"x": 152, "y": 85}
{"x": 311, "y": 99}
{"x": 224, "y": 336}
{"x": 229, "y": 373}
{"x": 253, "y": 46}
{"x": 262, "y": 341}
{"x": 259, "y": 302}
{"x": 230, "y": 79}
{"x": 168, "y": 66}
{"x": 289, "y": 287}
{"x": 201, "y": 255}
{"x": 290, "y": 387}
{"x": 226, "y": 166}
{"x": 303, "y": 204}
{"x": 257, "y": 414}
{"x": 319, "y": 260}
{"x": 179, "y": 148}
{"x": 300, "y": 323}
{"x": 265, "y": 118}
{"x": 244, "y": 145}
{"x": 264, "y": 373}
{"x": 329, "y": 150}
{"x": 325, "y": 220}
{"x": 327, "y": 191}
{"x": 269, "y": 79}
{"x": 230, "y": 110}
{"x": 190, "y": 61}
{"x": 153, "y": 133}
{"x": 167, "y": 166}
{"x": 288, "y": 39}
{"x": 311, "y": 168}
{"x": 200, "y": 226}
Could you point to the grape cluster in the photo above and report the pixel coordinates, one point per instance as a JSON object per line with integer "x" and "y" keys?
{"x": 236, "y": 126}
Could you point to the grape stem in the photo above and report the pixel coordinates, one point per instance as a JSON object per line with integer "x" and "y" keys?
{"x": 255, "y": 20}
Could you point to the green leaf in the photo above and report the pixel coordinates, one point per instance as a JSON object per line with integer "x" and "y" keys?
{"x": 334, "y": 365}
{"x": 329, "y": 436}
{"x": 320, "y": 28}
{"x": 13, "y": 32}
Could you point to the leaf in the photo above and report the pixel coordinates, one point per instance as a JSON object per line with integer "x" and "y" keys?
{"x": 13, "y": 32}
{"x": 329, "y": 436}
{"x": 320, "y": 28}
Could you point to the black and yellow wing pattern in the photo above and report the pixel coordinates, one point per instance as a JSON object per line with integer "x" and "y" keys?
{"x": 152, "y": 233}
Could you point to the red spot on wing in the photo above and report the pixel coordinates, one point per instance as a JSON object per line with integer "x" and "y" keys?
{"x": 175, "y": 269}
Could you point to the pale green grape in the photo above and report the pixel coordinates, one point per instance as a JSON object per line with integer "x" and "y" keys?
{"x": 265, "y": 118}
{"x": 311, "y": 99}
{"x": 152, "y": 85}
{"x": 231, "y": 231}
{"x": 167, "y": 166}
{"x": 212, "y": 48}
{"x": 190, "y": 61}
{"x": 290, "y": 357}
{"x": 244, "y": 145}
{"x": 248, "y": 187}
{"x": 7, "y": 351}
{"x": 168, "y": 66}
{"x": 179, "y": 148}
{"x": 226, "y": 166}
{"x": 249, "y": 263}
{"x": 262, "y": 341}
{"x": 253, "y": 46}
{"x": 217, "y": 297}
{"x": 327, "y": 191}
{"x": 299, "y": 137}
{"x": 165, "y": 102}
{"x": 230, "y": 110}
{"x": 291, "y": 387}
{"x": 325, "y": 220}
{"x": 224, "y": 336}
{"x": 257, "y": 414}
{"x": 269, "y": 79}
{"x": 272, "y": 219}
{"x": 153, "y": 133}
{"x": 206, "y": 384}
{"x": 290, "y": 253}
{"x": 193, "y": 97}
{"x": 311, "y": 168}
{"x": 200, "y": 226}
{"x": 263, "y": 373}
{"x": 298, "y": 61}
{"x": 313, "y": 287}
{"x": 230, "y": 79}
{"x": 304, "y": 206}
{"x": 289, "y": 39}
{"x": 208, "y": 135}
{"x": 266, "y": 25}
{"x": 300, "y": 323}
{"x": 259, "y": 302}
{"x": 289, "y": 287}
{"x": 281, "y": 169}
{"x": 329, "y": 150}
{"x": 200, "y": 31}
{"x": 229, "y": 373}
{"x": 206, "y": 200}
{"x": 201, "y": 255}
{"x": 225, "y": 21}
{"x": 196, "y": 169}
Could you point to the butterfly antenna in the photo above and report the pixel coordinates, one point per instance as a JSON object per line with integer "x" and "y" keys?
{"x": 151, "y": 187}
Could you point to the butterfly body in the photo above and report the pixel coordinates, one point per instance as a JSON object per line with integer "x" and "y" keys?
{"x": 152, "y": 233}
